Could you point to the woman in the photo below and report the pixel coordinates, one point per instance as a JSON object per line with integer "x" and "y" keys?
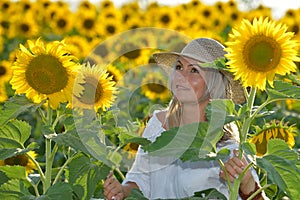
{"x": 192, "y": 88}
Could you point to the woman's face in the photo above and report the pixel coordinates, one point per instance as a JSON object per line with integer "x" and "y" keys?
{"x": 188, "y": 83}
